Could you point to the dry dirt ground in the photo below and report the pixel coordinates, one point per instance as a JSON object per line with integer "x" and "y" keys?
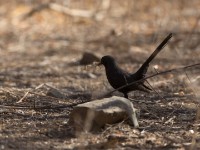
{"x": 45, "y": 46}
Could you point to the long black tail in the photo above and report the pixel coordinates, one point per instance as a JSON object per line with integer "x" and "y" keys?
{"x": 143, "y": 69}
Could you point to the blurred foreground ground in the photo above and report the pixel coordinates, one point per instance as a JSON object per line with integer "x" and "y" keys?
{"x": 45, "y": 47}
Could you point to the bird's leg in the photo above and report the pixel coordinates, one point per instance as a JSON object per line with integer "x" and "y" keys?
{"x": 126, "y": 95}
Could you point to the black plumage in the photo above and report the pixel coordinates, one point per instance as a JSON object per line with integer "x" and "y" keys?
{"x": 118, "y": 77}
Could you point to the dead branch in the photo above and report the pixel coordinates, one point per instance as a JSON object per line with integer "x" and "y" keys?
{"x": 97, "y": 13}
{"x": 21, "y": 99}
{"x": 71, "y": 12}
{"x": 37, "y": 108}
{"x": 155, "y": 90}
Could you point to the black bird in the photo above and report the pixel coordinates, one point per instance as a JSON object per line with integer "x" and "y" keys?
{"x": 118, "y": 77}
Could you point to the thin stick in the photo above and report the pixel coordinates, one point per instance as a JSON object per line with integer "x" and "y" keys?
{"x": 25, "y": 95}
{"x": 191, "y": 83}
{"x": 155, "y": 90}
{"x": 37, "y": 108}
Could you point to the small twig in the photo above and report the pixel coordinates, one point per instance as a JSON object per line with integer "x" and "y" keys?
{"x": 190, "y": 83}
{"x": 51, "y": 87}
{"x": 170, "y": 120}
{"x": 174, "y": 111}
{"x": 60, "y": 8}
{"x": 26, "y": 94}
{"x": 21, "y": 99}
{"x": 72, "y": 12}
{"x": 37, "y": 108}
{"x": 155, "y": 91}
{"x": 15, "y": 107}
{"x": 40, "y": 86}
{"x": 155, "y": 70}
{"x": 152, "y": 113}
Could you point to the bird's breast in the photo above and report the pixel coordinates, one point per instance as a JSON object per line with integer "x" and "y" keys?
{"x": 116, "y": 78}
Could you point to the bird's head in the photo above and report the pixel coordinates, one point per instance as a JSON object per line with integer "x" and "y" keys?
{"x": 106, "y": 60}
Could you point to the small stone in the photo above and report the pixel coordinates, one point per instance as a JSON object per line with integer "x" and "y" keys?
{"x": 55, "y": 93}
{"x": 88, "y": 58}
{"x": 96, "y": 114}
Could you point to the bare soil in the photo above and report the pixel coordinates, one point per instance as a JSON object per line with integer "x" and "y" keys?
{"x": 45, "y": 48}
